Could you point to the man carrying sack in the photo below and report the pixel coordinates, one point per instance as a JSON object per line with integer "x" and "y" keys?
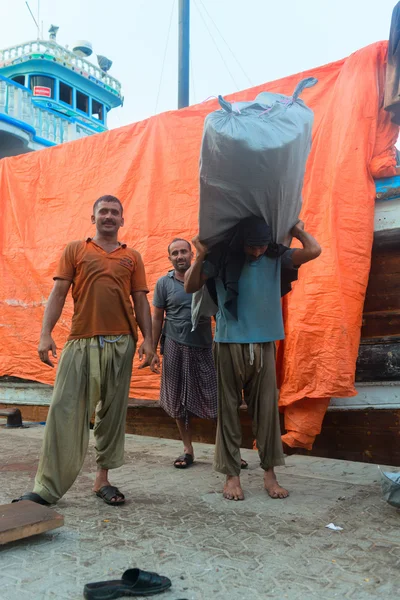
{"x": 244, "y": 277}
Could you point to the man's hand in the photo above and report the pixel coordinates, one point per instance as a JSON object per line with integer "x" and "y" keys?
{"x": 201, "y": 249}
{"x": 47, "y": 344}
{"x": 146, "y": 350}
{"x": 194, "y": 276}
{"x": 155, "y": 364}
{"x": 310, "y": 250}
{"x": 297, "y": 229}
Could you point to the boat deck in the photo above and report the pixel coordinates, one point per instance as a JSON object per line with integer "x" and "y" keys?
{"x": 176, "y": 523}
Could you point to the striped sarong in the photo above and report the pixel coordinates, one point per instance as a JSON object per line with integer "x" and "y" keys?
{"x": 188, "y": 382}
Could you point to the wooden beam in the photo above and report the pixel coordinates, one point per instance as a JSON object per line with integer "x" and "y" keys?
{"x": 380, "y": 324}
{"x": 24, "y": 519}
{"x": 30, "y": 412}
{"x": 378, "y": 361}
{"x": 365, "y": 436}
{"x": 387, "y": 237}
{"x": 362, "y": 435}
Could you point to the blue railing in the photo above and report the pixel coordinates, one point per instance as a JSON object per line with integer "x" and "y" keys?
{"x": 45, "y": 125}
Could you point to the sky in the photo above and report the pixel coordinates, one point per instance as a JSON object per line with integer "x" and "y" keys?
{"x": 234, "y": 44}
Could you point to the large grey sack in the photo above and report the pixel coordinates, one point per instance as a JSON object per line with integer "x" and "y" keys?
{"x": 252, "y": 162}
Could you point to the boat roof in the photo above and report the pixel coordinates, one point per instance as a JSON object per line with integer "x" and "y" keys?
{"x": 58, "y": 58}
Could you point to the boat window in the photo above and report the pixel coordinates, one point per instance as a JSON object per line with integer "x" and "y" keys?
{"x": 97, "y": 110}
{"x": 65, "y": 93}
{"x": 42, "y": 86}
{"x": 82, "y": 102}
{"x": 19, "y": 79}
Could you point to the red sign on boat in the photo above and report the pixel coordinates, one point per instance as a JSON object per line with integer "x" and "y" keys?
{"x": 39, "y": 90}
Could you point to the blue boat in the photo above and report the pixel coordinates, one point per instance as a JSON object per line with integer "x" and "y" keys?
{"x": 51, "y": 95}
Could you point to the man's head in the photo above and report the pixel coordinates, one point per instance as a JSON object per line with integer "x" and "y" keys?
{"x": 180, "y": 254}
{"x": 256, "y": 237}
{"x": 108, "y": 215}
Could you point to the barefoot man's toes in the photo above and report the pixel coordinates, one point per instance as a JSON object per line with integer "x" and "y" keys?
{"x": 233, "y": 489}
{"x": 273, "y": 488}
{"x": 276, "y": 491}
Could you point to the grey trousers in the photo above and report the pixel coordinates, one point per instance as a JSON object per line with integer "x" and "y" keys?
{"x": 93, "y": 375}
{"x": 247, "y": 371}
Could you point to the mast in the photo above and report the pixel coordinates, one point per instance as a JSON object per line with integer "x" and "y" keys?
{"x": 184, "y": 49}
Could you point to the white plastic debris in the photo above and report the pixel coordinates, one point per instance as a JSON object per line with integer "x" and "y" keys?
{"x": 334, "y": 527}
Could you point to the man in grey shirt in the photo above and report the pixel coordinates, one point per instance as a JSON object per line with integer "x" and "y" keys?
{"x": 188, "y": 381}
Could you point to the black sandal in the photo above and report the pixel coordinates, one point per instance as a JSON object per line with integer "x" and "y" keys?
{"x": 33, "y": 498}
{"x": 243, "y": 463}
{"x": 108, "y": 492}
{"x": 186, "y": 459}
{"x": 134, "y": 582}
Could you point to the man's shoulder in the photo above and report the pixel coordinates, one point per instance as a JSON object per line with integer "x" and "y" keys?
{"x": 132, "y": 252}
{"x": 77, "y": 244}
{"x": 72, "y": 248}
{"x": 166, "y": 279}
{"x": 163, "y": 290}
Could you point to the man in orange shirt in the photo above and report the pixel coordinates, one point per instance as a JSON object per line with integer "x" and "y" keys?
{"x": 95, "y": 367}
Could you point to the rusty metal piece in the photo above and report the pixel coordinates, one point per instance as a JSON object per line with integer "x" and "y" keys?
{"x": 14, "y": 417}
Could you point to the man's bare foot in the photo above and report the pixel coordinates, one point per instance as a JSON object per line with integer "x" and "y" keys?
{"x": 272, "y": 486}
{"x": 233, "y": 489}
{"x": 101, "y": 481}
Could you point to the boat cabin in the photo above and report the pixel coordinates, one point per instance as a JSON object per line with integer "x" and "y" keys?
{"x": 51, "y": 95}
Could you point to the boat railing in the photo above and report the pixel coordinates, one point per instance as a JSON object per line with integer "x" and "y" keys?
{"x": 69, "y": 59}
{"x": 45, "y": 125}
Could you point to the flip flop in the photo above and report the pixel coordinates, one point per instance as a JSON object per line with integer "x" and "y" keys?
{"x": 134, "y": 582}
{"x": 243, "y": 463}
{"x": 186, "y": 459}
{"x": 108, "y": 492}
{"x": 33, "y": 498}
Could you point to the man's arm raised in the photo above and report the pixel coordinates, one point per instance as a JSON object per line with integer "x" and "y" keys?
{"x": 194, "y": 277}
{"x": 310, "y": 250}
{"x": 52, "y": 313}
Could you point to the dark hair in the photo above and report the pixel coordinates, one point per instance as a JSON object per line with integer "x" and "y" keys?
{"x": 107, "y": 198}
{"x": 179, "y": 240}
{"x": 256, "y": 232}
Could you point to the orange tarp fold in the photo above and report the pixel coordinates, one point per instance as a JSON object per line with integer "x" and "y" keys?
{"x": 46, "y": 201}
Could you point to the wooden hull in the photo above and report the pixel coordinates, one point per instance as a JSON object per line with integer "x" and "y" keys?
{"x": 379, "y": 356}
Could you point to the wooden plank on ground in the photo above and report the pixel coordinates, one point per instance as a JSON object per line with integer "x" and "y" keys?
{"x": 23, "y": 519}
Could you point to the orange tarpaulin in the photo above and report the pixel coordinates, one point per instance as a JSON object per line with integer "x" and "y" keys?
{"x": 152, "y": 166}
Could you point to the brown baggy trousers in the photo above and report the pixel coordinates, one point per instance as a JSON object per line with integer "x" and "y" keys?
{"x": 94, "y": 374}
{"x": 247, "y": 370}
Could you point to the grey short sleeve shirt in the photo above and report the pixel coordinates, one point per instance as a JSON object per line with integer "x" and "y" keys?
{"x": 170, "y": 295}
